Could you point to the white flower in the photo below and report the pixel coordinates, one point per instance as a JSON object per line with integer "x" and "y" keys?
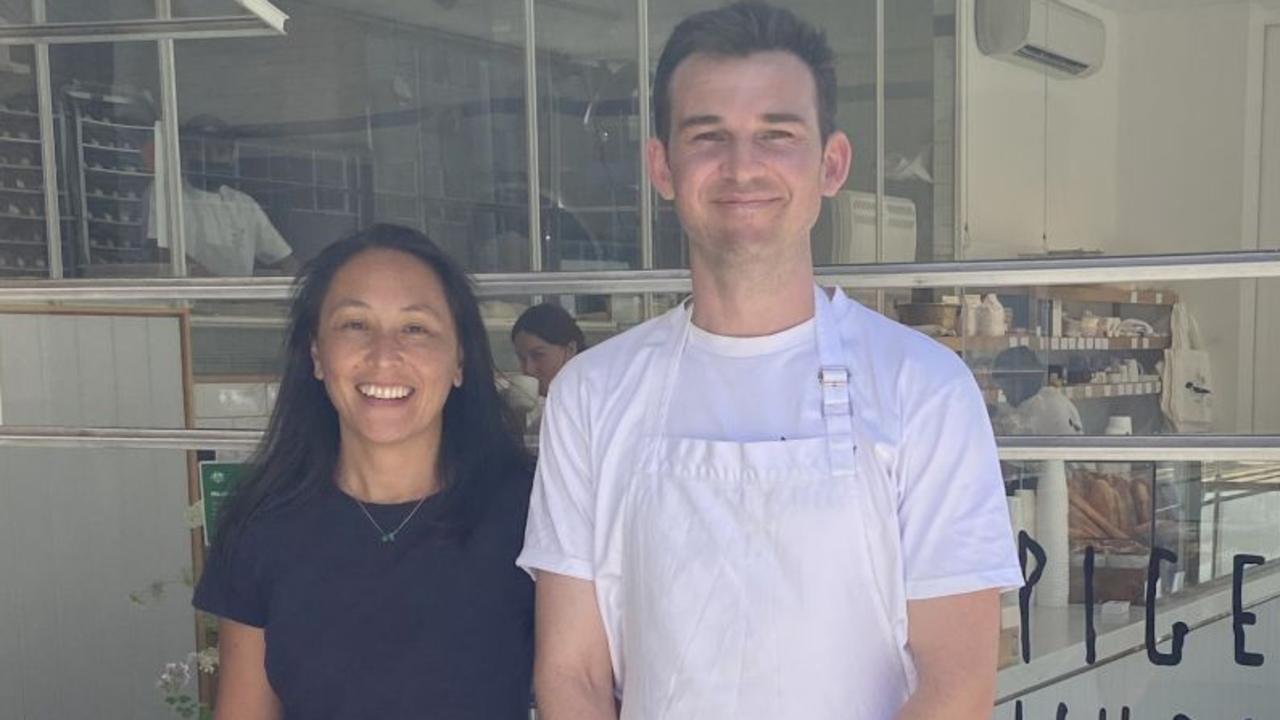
{"x": 207, "y": 660}
{"x": 176, "y": 676}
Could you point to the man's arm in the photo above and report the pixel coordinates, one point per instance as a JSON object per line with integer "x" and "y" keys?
{"x": 572, "y": 672}
{"x": 954, "y": 641}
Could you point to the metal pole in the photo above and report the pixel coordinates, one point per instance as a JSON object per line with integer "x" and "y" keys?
{"x": 48, "y": 150}
{"x": 170, "y": 149}
{"x": 645, "y": 93}
{"x": 880, "y": 205}
{"x": 531, "y": 135}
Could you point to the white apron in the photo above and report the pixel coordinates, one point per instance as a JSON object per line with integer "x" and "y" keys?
{"x": 761, "y": 580}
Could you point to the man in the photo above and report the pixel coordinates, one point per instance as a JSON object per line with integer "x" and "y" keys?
{"x": 227, "y": 232}
{"x": 769, "y": 502}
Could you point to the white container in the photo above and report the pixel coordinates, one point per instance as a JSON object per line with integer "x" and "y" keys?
{"x": 991, "y": 319}
{"x": 971, "y": 310}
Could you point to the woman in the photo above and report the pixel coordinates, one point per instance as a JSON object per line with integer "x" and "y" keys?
{"x": 365, "y": 566}
{"x": 545, "y": 337}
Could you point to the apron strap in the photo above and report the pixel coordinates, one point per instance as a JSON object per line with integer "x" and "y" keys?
{"x": 837, "y": 392}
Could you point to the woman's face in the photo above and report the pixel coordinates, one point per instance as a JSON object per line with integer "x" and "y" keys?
{"x": 387, "y": 349}
{"x": 541, "y": 359}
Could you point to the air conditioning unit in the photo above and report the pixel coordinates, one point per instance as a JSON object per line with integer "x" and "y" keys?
{"x": 1044, "y": 34}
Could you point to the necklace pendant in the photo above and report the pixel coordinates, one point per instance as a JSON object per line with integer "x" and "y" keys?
{"x": 388, "y": 537}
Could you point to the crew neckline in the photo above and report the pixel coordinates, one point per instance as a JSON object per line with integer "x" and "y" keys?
{"x": 730, "y": 346}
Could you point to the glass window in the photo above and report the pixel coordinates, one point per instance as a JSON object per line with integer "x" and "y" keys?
{"x": 1099, "y": 525}
{"x": 405, "y": 113}
{"x": 589, "y": 135}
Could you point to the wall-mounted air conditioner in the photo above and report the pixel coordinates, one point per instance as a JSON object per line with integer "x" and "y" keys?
{"x": 1043, "y": 34}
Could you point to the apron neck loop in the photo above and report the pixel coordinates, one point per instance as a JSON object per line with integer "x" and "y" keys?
{"x": 833, "y": 376}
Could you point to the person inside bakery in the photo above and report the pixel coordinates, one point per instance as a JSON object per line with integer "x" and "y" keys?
{"x": 545, "y": 337}
{"x": 1031, "y": 406}
{"x": 227, "y": 232}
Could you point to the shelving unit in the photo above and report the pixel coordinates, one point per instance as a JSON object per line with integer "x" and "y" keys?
{"x": 1041, "y": 344}
{"x": 24, "y": 250}
{"x": 110, "y": 181}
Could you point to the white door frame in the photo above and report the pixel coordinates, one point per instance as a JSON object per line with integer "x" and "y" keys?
{"x": 1260, "y": 19}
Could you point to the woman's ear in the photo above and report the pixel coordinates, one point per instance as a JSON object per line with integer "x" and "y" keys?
{"x": 315, "y": 362}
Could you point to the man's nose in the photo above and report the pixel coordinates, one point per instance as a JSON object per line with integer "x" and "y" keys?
{"x": 741, "y": 160}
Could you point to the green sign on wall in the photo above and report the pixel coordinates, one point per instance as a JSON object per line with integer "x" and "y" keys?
{"x": 217, "y": 480}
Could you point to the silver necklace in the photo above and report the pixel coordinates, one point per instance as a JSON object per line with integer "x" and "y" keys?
{"x": 384, "y": 536}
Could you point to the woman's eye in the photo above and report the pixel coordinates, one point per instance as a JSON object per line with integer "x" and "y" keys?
{"x": 416, "y": 329}
{"x": 352, "y": 325}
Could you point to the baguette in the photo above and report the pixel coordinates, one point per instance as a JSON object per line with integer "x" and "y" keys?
{"x": 1142, "y": 509}
{"x": 1080, "y": 527}
{"x": 1108, "y": 528}
{"x": 1125, "y": 515}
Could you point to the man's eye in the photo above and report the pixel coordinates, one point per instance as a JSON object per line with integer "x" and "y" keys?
{"x": 777, "y": 135}
{"x": 708, "y": 137}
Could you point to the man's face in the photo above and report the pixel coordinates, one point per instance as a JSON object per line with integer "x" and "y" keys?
{"x": 745, "y": 163}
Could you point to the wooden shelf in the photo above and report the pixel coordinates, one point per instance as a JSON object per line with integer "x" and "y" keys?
{"x": 1039, "y": 343}
{"x": 1112, "y": 294}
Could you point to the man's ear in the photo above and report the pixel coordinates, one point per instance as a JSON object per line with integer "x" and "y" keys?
{"x": 315, "y": 362}
{"x": 837, "y": 157}
{"x": 655, "y": 153}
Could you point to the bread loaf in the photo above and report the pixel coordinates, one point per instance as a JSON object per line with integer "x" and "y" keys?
{"x": 1125, "y": 517}
{"x": 1142, "y": 509}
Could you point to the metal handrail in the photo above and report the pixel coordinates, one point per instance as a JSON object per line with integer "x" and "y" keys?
{"x": 1104, "y": 448}
{"x": 984, "y": 273}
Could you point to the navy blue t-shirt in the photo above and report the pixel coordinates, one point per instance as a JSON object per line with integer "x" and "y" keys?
{"x": 423, "y": 627}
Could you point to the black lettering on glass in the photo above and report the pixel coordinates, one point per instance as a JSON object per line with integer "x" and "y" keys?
{"x": 1180, "y": 629}
{"x": 1027, "y": 544}
{"x": 1090, "y": 634}
{"x": 1239, "y": 617}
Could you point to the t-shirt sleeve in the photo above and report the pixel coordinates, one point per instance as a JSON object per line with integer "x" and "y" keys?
{"x": 231, "y": 588}
{"x": 561, "y": 526}
{"x": 954, "y": 519}
{"x": 269, "y": 246}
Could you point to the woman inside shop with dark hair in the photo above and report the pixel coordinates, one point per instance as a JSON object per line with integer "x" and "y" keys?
{"x": 545, "y": 337}
{"x": 365, "y": 567}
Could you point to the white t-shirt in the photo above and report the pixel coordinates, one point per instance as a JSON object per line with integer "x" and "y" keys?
{"x": 917, "y": 409}
{"x": 226, "y": 231}
{"x": 774, "y": 407}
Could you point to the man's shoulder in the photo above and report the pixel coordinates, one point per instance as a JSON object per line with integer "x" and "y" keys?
{"x": 622, "y": 359}
{"x": 917, "y": 363}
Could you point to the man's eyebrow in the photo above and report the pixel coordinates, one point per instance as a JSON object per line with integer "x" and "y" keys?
{"x": 696, "y": 120}
{"x": 783, "y": 117}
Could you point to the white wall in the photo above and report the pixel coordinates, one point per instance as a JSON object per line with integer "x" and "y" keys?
{"x": 1034, "y": 185}
{"x": 81, "y": 530}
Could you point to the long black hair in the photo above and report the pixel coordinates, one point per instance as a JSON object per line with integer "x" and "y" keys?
{"x": 551, "y": 323}
{"x": 299, "y": 452}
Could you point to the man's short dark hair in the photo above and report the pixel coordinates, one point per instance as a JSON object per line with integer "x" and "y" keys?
{"x": 739, "y": 30}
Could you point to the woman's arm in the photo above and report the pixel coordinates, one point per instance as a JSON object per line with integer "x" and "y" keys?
{"x": 243, "y": 690}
